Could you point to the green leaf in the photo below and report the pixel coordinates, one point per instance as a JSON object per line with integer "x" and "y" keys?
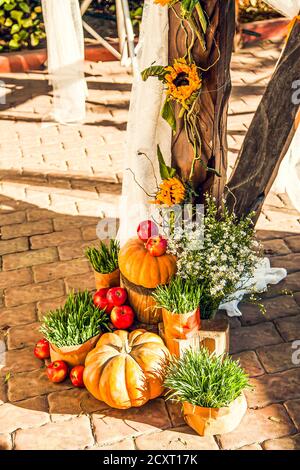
{"x": 166, "y": 172}
{"x": 8, "y": 22}
{"x": 23, "y": 34}
{"x": 34, "y": 40}
{"x": 17, "y": 15}
{"x": 14, "y": 29}
{"x": 27, "y": 23}
{"x": 187, "y": 7}
{"x": 25, "y": 7}
{"x": 154, "y": 71}
{"x": 169, "y": 115}
{"x": 7, "y": 377}
{"x": 13, "y": 44}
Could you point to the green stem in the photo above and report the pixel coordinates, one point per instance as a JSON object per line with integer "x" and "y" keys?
{"x": 201, "y": 17}
{"x": 182, "y": 111}
{"x": 198, "y": 33}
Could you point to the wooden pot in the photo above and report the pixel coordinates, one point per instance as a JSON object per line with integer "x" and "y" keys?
{"x": 178, "y": 327}
{"x": 142, "y": 302}
{"x": 106, "y": 281}
{"x": 73, "y": 355}
{"x": 212, "y": 421}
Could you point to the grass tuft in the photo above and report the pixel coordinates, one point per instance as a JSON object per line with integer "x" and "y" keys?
{"x": 180, "y": 296}
{"x": 206, "y": 380}
{"x": 104, "y": 259}
{"x": 76, "y": 322}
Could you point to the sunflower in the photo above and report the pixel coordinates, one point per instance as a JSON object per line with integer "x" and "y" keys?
{"x": 162, "y": 2}
{"x": 171, "y": 191}
{"x": 182, "y": 80}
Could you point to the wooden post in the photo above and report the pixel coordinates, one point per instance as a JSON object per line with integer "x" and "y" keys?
{"x": 270, "y": 134}
{"x": 212, "y": 105}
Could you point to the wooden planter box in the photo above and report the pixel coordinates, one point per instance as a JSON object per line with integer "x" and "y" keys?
{"x": 214, "y": 335}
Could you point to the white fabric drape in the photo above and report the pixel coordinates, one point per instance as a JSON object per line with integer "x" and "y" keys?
{"x": 289, "y": 8}
{"x": 263, "y": 276}
{"x": 65, "y": 47}
{"x": 288, "y": 178}
{"x": 145, "y": 127}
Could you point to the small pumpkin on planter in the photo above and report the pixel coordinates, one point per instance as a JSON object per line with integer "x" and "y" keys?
{"x": 126, "y": 369}
{"x": 74, "y": 329}
{"x": 180, "y": 302}
{"x": 141, "y": 273}
{"x": 210, "y": 389}
{"x": 104, "y": 261}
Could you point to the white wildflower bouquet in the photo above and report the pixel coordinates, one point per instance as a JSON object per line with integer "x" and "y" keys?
{"x": 220, "y": 252}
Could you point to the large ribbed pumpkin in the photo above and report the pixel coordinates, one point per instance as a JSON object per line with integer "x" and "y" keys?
{"x": 141, "y": 273}
{"x": 126, "y": 369}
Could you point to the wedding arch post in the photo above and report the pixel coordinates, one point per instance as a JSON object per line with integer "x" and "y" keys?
{"x": 270, "y": 133}
{"x": 212, "y": 105}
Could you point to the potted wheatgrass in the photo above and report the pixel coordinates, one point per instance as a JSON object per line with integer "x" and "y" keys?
{"x": 104, "y": 261}
{"x": 74, "y": 329}
{"x": 179, "y": 302}
{"x": 210, "y": 389}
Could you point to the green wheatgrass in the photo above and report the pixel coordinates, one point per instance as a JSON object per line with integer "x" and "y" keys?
{"x": 180, "y": 296}
{"x": 104, "y": 259}
{"x": 76, "y": 322}
{"x": 205, "y": 380}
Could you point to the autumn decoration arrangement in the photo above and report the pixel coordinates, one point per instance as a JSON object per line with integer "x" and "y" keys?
{"x": 169, "y": 279}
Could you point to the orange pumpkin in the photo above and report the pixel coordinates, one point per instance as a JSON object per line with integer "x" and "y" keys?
{"x": 141, "y": 273}
{"x": 126, "y": 369}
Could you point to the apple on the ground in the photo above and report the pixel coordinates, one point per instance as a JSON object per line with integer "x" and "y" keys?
{"x": 42, "y": 349}
{"x": 76, "y": 376}
{"x": 57, "y": 371}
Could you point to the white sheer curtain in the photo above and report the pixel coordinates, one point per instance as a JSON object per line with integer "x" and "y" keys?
{"x": 65, "y": 47}
{"x": 145, "y": 127}
{"x": 288, "y": 178}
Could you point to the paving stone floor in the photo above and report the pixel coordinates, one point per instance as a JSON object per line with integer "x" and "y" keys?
{"x": 55, "y": 184}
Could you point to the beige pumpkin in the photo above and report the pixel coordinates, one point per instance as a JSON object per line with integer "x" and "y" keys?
{"x": 126, "y": 369}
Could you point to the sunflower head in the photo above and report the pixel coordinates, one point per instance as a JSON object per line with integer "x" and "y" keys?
{"x": 162, "y": 2}
{"x": 171, "y": 192}
{"x": 182, "y": 80}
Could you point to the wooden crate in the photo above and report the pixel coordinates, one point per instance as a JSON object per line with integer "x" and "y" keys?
{"x": 214, "y": 335}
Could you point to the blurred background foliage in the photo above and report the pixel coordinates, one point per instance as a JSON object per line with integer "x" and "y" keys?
{"x": 21, "y": 21}
{"x": 256, "y": 10}
{"x": 21, "y": 24}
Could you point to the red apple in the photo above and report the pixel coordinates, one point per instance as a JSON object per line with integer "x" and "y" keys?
{"x": 117, "y": 296}
{"x": 57, "y": 371}
{"x": 102, "y": 302}
{"x": 157, "y": 246}
{"x": 122, "y": 317}
{"x": 42, "y": 349}
{"x": 100, "y": 294}
{"x": 147, "y": 229}
{"x": 76, "y": 376}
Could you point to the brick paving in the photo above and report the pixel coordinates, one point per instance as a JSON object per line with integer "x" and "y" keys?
{"x": 55, "y": 184}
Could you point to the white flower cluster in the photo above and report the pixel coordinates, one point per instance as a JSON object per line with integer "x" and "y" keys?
{"x": 220, "y": 253}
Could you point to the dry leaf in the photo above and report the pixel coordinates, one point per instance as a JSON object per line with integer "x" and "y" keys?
{"x": 273, "y": 418}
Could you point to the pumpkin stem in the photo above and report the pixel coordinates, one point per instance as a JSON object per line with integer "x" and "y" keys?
{"x": 126, "y": 348}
